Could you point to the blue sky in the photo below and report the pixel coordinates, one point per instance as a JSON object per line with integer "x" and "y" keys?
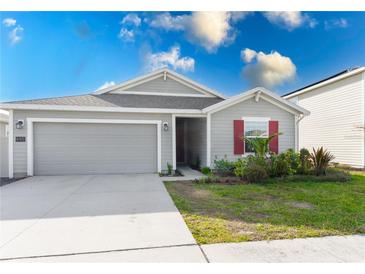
{"x": 47, "y": 54}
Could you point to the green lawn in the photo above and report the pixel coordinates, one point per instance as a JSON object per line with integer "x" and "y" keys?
{"x": 217, "y": 213}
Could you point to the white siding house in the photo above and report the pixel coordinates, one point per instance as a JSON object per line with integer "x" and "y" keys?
{"x": 337, "y": 116}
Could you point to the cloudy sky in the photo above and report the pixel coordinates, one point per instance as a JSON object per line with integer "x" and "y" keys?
{"x": 66, "y": 53}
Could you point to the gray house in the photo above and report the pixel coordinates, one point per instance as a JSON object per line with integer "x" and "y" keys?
{"x": 143, "y": 125}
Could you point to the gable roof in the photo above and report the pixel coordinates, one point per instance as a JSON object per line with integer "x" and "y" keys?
{"x": 164, "y": 72}
{"x": 258, "y": 93}
{"x": 326, "y": 81}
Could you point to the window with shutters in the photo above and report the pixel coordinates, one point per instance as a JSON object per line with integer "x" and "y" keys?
{"x": 255, "y": 129}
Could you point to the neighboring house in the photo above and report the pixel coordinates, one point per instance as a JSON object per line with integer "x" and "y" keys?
{"x": 337, "y": 116}
{"x": 4, "y": 160}
{"x": 143, "y": 125}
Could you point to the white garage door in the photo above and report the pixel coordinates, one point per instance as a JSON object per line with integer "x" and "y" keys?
{"x": 70, "y": 148}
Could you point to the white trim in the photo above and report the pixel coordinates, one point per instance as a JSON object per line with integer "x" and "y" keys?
{"x": 256, "y": 119}
{"x": 97, "y": 109}
{"x": 173, "y": 128}
{"x": 209, "y": 139}
{"x": 11, "y": 144}
{"x": 160, "y": 73}
{"x": 265, "y": 94}
{"x": 324, "y": 83}
{"x": 161, "y": 94}
{"x": 31, "y": 121}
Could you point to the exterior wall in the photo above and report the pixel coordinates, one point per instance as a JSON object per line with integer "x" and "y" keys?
{"x": 197, "y": 140}
{"x": 222, "y": 126}
{"x": 4, "y": 160}
{"x": 20, "y": 149}
{"x": 162, "y": 86}
{"x": 337, "y": 112}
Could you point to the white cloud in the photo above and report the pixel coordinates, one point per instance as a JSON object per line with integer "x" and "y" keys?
{"x": 9, "y": 22}
{"x": 126, "y": 35}
{"x": 131, "y": 19}
{"x": 15, "y": 35}
{"x": 170, "y": 23}
{"x": 106, "y": 85}
{"x": 290, "y": 19}
{"x": 247, "y": 55}
{"x": 335, "y": 23}
{"x": 208, "y": 29}
{"x": 267, "y": 70}
{"x": 170, "y": 58}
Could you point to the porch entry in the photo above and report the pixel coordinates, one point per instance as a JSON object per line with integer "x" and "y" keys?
{"x": 191, "y": 141}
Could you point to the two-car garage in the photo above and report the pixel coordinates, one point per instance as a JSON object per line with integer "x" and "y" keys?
{"x": 61, "y": 147}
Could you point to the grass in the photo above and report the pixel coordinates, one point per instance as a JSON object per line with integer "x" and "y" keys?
{"x": 217, "y": 213}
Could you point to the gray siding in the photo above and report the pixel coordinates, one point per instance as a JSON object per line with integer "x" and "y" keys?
{"x": 20, "y": 149}
{"x": 162, "y": 86}
{"x": 197, "y": 140}
{"x": 4, "y": 160}
{"x": 222, "y": 126}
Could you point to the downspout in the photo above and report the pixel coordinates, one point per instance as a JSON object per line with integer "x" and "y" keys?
{"x": 297, "y": 120}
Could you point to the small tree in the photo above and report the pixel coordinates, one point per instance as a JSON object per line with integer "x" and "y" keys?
{"x": 260, "y": 145}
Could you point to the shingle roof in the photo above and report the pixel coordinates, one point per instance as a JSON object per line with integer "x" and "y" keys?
{"x": 323, "y": 80}
{"x": 127, "y": 101}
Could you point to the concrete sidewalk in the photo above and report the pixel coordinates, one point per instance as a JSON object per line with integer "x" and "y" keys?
{"x": 311, "y": 250}
{"x": 326, "y": 249}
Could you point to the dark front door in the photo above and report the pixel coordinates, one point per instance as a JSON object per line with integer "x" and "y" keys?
{"x": 180, "y": 141}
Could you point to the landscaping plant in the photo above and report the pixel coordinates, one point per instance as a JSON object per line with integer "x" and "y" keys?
{"x": 278, "y": 165}
{"x": 305, "y": 163}
{"x": 223, "y": 167}
{"x": 260, "y": 145}
{"x": 169, "y": 169}
{"x": 320, "y": 159}
{"x": 206, "y": 170}
{"x": 240, "y": 168}
{"x": 293, "y": 160}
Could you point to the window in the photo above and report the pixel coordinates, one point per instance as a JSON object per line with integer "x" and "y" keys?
{"x": 255, "y": 129}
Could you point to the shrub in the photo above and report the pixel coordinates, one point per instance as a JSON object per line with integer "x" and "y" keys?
{"x": 320, "y": 158}
{"x": 305, "y": 163}
{"x": 206, "y": 170}
{"x": 279, "y": 166}
{"x": 240, "y": 168}
{"x": 223, "y": 167}
{"x": 255, "y": 172}
{"x": 332, "y": 175}
{"x": 169, "y": 169}
{"x": 210, "y": 179}
{"x": 293, "y": 160}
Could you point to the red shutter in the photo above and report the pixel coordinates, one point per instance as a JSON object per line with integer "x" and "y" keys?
{"x": 274, "y": 129}
{"x": 238, "y": 133}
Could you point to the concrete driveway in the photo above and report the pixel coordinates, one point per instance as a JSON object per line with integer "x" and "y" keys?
{"x": 64, "y": 215}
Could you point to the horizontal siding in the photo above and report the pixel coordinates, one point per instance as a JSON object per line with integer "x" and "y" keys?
{"x": 337, "y": 112}
{"x": 222, "y": 126}
{"x": 20, "y": 149}
{"x": 162, "y": 86}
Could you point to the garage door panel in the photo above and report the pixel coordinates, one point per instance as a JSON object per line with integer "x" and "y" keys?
{"x": 62, "y": 148}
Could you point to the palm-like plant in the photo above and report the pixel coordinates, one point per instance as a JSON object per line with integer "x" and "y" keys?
{"x": 320, "y": 158}
{"x": 260, "y": 145}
